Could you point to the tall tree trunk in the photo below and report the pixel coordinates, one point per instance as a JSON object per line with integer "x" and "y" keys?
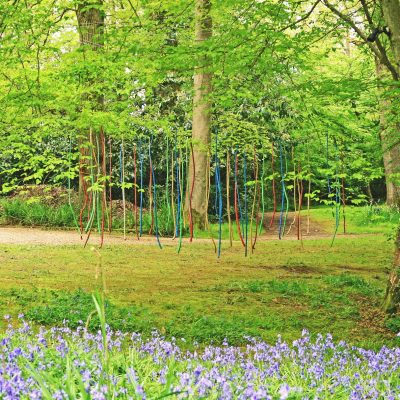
{"x": 91, "y": 24}
{"x": 91, "y": 19}
{"x": 391, "y": 13}
{"x": 388, "y": 134}
{"x": 201, "y": 126}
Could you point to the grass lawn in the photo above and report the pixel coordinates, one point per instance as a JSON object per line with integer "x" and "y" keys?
{"x": 359, "y": 220}
{"x": 281, "y": 289}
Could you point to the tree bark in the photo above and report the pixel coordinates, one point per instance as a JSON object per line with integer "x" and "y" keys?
{"x": 91, "y": 19}
{"x": 201, "y": 125}
{"x": 91, "y": 24}
{"x": 391, "y": 138}
{"x": 391, "y": 14}
{"x": 391, "y": 303}
{"x": 388, "y": 134}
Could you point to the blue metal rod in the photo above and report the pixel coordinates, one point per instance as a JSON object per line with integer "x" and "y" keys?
{"x": 218, "y": 192}
{"x": 283, "y": 189}
{"x": 178, "y": 194}
{"x": 245, "y": 203}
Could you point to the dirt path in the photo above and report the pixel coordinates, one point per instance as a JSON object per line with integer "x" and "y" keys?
{"x": 36, "y": 236}
{"x": 316, "y": 229}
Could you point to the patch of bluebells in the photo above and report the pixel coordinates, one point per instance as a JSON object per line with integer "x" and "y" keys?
{"x": 60, "y": 363}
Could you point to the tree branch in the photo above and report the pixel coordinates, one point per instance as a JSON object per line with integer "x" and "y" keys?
{"x": 382, "y": 57}
{"x": 372, "y": 26}
{"x": 135, "y": 12}
{"x": 303, "y": 18}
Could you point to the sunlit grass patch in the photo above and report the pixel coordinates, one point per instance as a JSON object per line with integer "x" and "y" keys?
{"x": 280, "y": 289}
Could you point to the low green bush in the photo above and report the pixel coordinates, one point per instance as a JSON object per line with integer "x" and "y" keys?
{"x": 33, "y": 212}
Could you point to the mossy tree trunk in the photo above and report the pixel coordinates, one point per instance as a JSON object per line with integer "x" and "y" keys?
{"x": 91, "y": 20}
{"x": 389, "y": 134}
{"x": 391, "y": 303}
{"x": 391, "y": 14}
{"x": 201, "y": 126}
{"x": 91, "y": 24}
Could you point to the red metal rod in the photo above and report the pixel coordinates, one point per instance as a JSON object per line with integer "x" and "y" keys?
{"x": 257, "y": 194}
{"x": 300, "y": 191}
{"x": 343, "y": 195}
{"x": 83, "y": 183}
{"x": 135, "y": 191}
{"x": 273, "y": 185}
{"x": 151, "y": 198}
{"x": 236, "y": 203}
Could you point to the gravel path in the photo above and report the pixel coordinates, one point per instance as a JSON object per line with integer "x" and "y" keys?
{"x": 37, "y": 236}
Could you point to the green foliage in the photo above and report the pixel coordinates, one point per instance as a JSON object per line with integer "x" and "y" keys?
{"x": 75, "y": 309}
{"x": 353, "y": 282}
{"x": 271, "y": 82}
{"x": 393, "y": 323}
{"x": 17, "y": 211}
{"x": 165, "y": 221}
{"x": 289, "y": 288}
{"x": 379, "y": 214}
{"x": 23, "y": 212}
{"x": 364, "y": 219}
